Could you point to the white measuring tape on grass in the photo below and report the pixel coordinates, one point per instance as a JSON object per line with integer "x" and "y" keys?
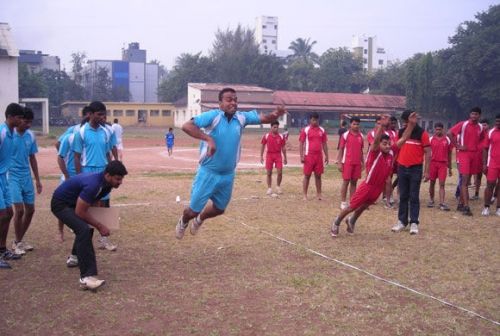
{"x": 414, "y": 291}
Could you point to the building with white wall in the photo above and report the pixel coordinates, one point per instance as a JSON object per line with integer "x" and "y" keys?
{"x": 266, "y": 34}
{"x": 130, "y": 75}
{"x": 9, "y": 83}
{"x": 366, "y": 48}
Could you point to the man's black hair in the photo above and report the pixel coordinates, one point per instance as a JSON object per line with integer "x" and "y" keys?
{"x": 116, "y": 168}
{"x": 97, "y": 106}
{"x": 224, "y": 90}
{"x": 355, "y": 119}
{"x": 14, "y": 109}
{"x": 438, "y": 124}
{"x": 115, "y": 121}
{"x": 406, "y": 114}
{"x": 314, "y": 115}
{"x": 476, "y": 109}
{"x": 276, "y": 122}
{"x": 393, "y": 118}
{"x": 28, "y": 114}
{"x": 385, "y": 137}
{"x": 484, "y": 121}
{"x": 86, "y": 110}
{"x": 343, "y": 123}
{"x": 497, "y": 116}
{"x": 377, "y": 118}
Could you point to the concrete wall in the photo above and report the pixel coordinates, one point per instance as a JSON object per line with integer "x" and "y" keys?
{"x": 9, "y": 83}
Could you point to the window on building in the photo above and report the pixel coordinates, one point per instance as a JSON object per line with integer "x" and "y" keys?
{"x": 130, "y": 113}
{"x": 264, "y": 26}
{"x": 365, "y": 51}
{"x": 154, "y": 113}
{"x": 365, "y": 61}
{"x": 108, "y": 113}
{"x": 273, "y": 41}
{"x": 117, "y": 113}
{"x": 264, "y": 41}
{"x": 380, "y": 62}
{"x": 276, "y": 27}
{"x": 165, "y": 113}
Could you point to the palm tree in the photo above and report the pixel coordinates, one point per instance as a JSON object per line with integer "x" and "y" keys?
{"x": 302, "y": 50}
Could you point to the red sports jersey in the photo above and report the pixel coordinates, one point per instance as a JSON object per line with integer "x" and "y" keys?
{"x": 371, "y": 136}
{"x": 412, "y": 151}
{"x": 492, "y": 142}
{"x": 274, "y": 142}
{"x": 378, "y": 167}
{"x": 440, "y": 147}
{"x": 470, "y": 135}
{"x": 314, "y": 138}
{"x": 353, "y": 144}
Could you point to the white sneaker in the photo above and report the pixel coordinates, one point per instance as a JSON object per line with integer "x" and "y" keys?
{"x": 413, "y": 228}
{"x": 72, "y": 261}
{"x": 398, "y": 227}
{"x": 17, "y": 248}
{"x": 344, "y": 205}
{"x": 180, "y": 228}
{"x": 498, "y": 212}
{"x": 91, "y": 282}
{"x": 106, "y": 244}
{"x": 485, "y": 212}
{"x": 269, "y": 191}
{"x": 279, "y": 191}
{"x": 195, "y": 225}
{"x": 25, "y": 246}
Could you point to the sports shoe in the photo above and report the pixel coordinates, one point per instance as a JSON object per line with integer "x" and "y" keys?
{"x": 4, "y": 264}
{"x": 466, "y": 211}
{"x": 413, "y": 228}
{"x": 91, "y": 282}
{"x": 350, "y": 225}
{"x": 279, "y": 191}
{"x": 343, "y": 205}
{"x": 72, "y": 261}
{"x": 9, "y": 255}
{"x": 334, "y": 230}
{"x": 269, "y": 191}
{"x": 398, "y": 227}
{"x": 485, "y": 212}
{"x": 18, "y": 248}
{"x": 195, "y": 225}
{"x": 444, "y": 207}
{"x": 25, "y": 246}
{"x": 180, "y": 228}
{"x": 460, "y": 207}
{"x": 430, "y": 204}
{"x": 498, "y": 212}
{"x": 474, "y": 198}
{"x": 106, "y": 244}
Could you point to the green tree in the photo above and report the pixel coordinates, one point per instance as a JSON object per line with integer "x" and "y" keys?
{"x": 302, "y": 50}
{"x": 188, "y": 68}
{"x": 340, "y": 71}
{"x": 78, "y": 60}
{"x": 389, "y": 81}
{"x": 301, "y": 76}
{"x": 269, "y": 71}
{"x": 31, "y": 85}
{"x": 102, "y": 89}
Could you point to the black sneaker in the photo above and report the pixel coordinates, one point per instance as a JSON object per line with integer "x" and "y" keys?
{"x": 9, "y": 255}
{"x": 466, "y": 211}
{"x": 460, "y": 207}
{"x": 4, "y": 264}
{"x": 350, "y": 225}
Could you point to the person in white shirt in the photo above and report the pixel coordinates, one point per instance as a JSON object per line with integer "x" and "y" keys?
{"x": 118, "y": 129}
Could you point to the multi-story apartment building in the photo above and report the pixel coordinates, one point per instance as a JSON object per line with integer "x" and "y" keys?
{"x": 37, "y": 61}
{"x": 366, "y": 48}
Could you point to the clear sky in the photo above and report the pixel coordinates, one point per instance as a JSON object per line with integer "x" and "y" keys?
{"x": 166, "y": 29}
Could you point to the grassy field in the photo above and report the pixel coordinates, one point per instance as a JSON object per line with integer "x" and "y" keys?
{"x": 236, "y": 277}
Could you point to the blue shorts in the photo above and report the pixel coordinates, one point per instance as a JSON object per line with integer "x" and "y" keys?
{"x": 209, "y": 185}
{"x": 21, "y": 189}
{"x": 169, "y": 145}
{"x": 5, "y": 200}
{"x": 95, "y": 169}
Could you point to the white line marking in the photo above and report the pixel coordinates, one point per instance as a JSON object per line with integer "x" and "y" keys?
{"x": 371, "y": 274}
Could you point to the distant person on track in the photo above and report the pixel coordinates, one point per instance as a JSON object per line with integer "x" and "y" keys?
{"x": 313, "y": 141}
{"x": 491, "y": 167}
{"x": 118, "y": 130}
{"x": 169, "y": 140}
{"x": 274, "y": 144}
{"x": 220, "y": 152}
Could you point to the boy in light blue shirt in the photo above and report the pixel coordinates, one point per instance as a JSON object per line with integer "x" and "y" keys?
{"x": 20, "y": 181}
{"x": 13, "y": 118}
{"x": 220, "y": 152}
